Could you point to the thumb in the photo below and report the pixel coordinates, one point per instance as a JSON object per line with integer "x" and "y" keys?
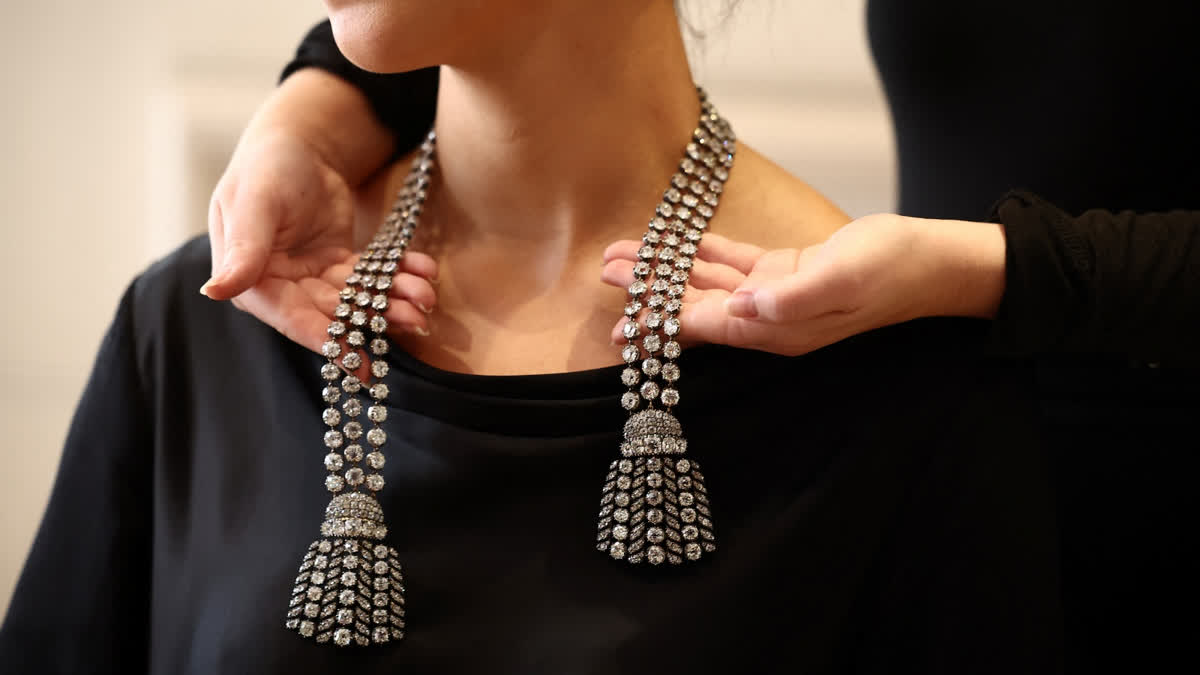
{"x": 802, "y": 295}
{"x": 249, "y": 233}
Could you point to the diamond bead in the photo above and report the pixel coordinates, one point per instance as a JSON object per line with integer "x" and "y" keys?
{"x": 670, "y": 372}
{"x": 351, "y": 384}
{"x": 649, "y": 390}
{"x": 352, "y": 407}
{"x": 652, "y": 343}
{"x": 358, "y": 318}
{"x": 379, "y": 346}
{"x": 375, "y": 460}
{"x": 330, "y": 372}
{"x": 333, "y": 438}
{"x": 379, "y": 368}
{"x": 629, "y": 376}
{"x": 375, "y": 482}
{"x": 377, "y": 413}
{"x": 670, "y": 396}
{"x": 378, "y": 324}
{"x": 354, "y": 453}
{"x": 331, "y": 350}
{"x": 356, "y": 338}
{"x": 331, "y": 416}
{"x": 651, "y": 366}
{"x": 333, "y": 461}
{"x": 630, "y": 353}
{"x": 333, "y": 483}
{"x": 671, "y": 326}
{"x": 352, "y": 361}
{"x": 631, "y": 329}
{"x": 354, "y": 476}
{"x": 352, "y": 430}
{"x": 629, "y": 400}
{"x": 331, "y": 394}
{"x": 672, "y": 350}
{"x": 379, "y": 391}
{"x": 376, "y": 437}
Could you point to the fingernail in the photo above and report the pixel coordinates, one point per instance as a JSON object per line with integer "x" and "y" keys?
{"x": 204, "y": 288}
{"x": 741, "y": 304}
{"x": 419, "y": 331}
{"x": 423, "y": 308}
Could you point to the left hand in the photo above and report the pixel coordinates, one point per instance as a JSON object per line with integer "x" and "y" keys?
{"x": 873, "y": 272}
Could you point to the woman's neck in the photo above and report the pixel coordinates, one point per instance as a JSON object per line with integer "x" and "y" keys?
{"x": 569, "y": 131}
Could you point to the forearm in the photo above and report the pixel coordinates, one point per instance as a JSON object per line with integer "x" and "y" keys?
{"x": 332, "y": 116}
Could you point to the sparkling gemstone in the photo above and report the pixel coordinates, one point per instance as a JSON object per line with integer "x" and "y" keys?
{"x": 336, "y": 329}
{"x": 654, "y": 516}
{"x": 314, "y": 593}
{"x": 631, "y": 329}
{"x": 654, "y": 535}
{"x": 330, "y": 372}
{"x": 650, "y": 390}
{"x": 671, "y": 326}
{"x": 381, "y": 567}
{"x": 690, "y": 532}
{"x": 692, "y": 551}
{"x": 379, "y": 391}
{"x": 331, "y": 394}
{"x": 630, "y": 400}
{"x": 672, "y": 350}
{"x": 620, "y": 532}
{"x": 318, "y": 578}
{"x": 621, "y": 515}
{"x": 379, "y": 346}
{"x": 670, "y": 372}
{"x": 635, "y": 289}
{"x": 333, "y": 438}
{"x": 653, "y": 320}
{"x": 687, "y": 515}
{"x": 651, "y": 368}
{"x": 683, "y": 466}
{"x": 354, "y": 453}
{"x": 352, "y": 361}
{"x": 659, "y": 285}
{"x": 655, "y": 555}
{"x": 629, "y": 377}
{"x": 633, "y": 308}
{"x": 331, "y": 349}
{"x": 670, "y": 396}
{"x": 676, "y": 291}
{"x": 342, "y": 311}
{"x": 347, "y": 597}
{"x": 673, "y": 306}
{"x": 666, "y": 254}
{"x": 331, "y": 416}
{"x": 654, "y": 480}
{"x": 381, "y": 583}
{"x": 341, "y": 637}
{"x": 353, "y": 430}
{"x": 380, "y": 634}
{"x": 685, "y": 483}
{"x": 377, "y": 413}
{"x": 356, "y": 338}
{"x": 641, "y": 269}
{"x": 630, "y": 353}
{"x": 349, "y": 578}
{"x": 379, "y": 368}
{"x": 375, "y": 460}
{"x": 686, "y": 499}
{"x": 333, "y": 461}
{"x": 652, "y": 343}
{"x": 380, "y": 302}
{"x": 653, "y": 497}
{"x": 381, "y": 551}
{"x": 617, "y": 550}
{"x": 333, "y": 483}
{"x": 622, "y": 499}
{"x": 358, "y": 318}
{"x": 352, "y": 407}
{"x": 654, "y": 464}
{"x": 350, "y": 562}
{"x": 354, "y": 476}
{"x": 625, "y": 466}
{"x": 705, "y": 211}
{"x": 658, "y": 224}
{"x": 378, "y": 324}
{"x": 306, "y": 628}
{"x": 376, "y": 437}
{"x": 324, "y": 546}
{"x": 345, "y": 616}
{"x": 665, "y": 210}
{"x": 311, "y": 610}
{"x": 623, "y": 482}
{"x": 351, "y": 384}
{"x": 375, "y": 482}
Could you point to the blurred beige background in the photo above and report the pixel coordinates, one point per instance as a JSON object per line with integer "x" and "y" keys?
{"x": 118, "y": 117}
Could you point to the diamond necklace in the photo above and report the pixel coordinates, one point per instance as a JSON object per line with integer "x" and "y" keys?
{"x": 654, "y": 504}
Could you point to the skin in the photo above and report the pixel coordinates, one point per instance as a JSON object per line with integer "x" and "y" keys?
{"x": 783, "y": 269}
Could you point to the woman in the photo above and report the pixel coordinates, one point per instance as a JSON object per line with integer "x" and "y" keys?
{"x": 878, "y": 506}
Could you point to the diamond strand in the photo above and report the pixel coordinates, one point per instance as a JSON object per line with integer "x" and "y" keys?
{"x": 350, "y": 587}
{"x": 654, "y": 504}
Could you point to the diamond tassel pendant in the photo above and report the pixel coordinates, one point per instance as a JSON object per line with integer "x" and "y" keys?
{"x": 654, "y": 506}
{"x": 350, "y": 589}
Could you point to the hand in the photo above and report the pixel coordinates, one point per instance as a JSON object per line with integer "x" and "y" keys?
{"x": 873, "y": 272}
{"x": 282, "y": 227}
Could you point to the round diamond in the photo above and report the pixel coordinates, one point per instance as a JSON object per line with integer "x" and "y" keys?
{"x": 654, "y": 464}
{"x": 336, "y": 329}
{"x": 356, "y": 338}
{"x": 655, "y": 555}
{"x": 652, "y": 343}
{"x": 654, "y": 480}
{"x": 381, "y": 567}
{"x": 378, "y": 324}
{"x": 379, "y": 303}
{"x": 330, "y": 372}
{"x": 379, "y": 346}
{"x": 352, "y": 430}
{"x": 671, "y": 326}
{"x": 620, "y": 532}
{"x": 625, "y": 466}
{"x": 690, "y": 532}
{"x": 376, "y": 460}
{"x": 631, "y": 329}
{"x": 333, "y": 438}
{"x": 654, "y": 516}
{"x": 670, "y": 396}
{"x": 349, "y": 579}
{"x": 375, "y": 482}
{"x": 350, "y": 562}
{"x": 653, "y": 497}
{"x": 381, "y": 551}
{"x": 621, "y": 515}
{"x": 351, "y": 384}
{"x": 318, "y": 578}
{"x": 331, "y": 416}
{"x": 331, "y": 394}
{"x": 324, "y": 546}
{"x": 314, "y": 593}
{"x": 306, "y": 628}
{"x": 622, "y": 499}
{"x": 692, "y": 551}
{"x": 636, "y": 288}
{"x": 654, "y": 535}
{"x": 670, "y": 372}
{"x": 672, "y": 350}
{"x": 617, "y": 550}
{"x": 687, "y": 515}
{"x": 633, "y": 308}
{"x": 354, "y": 453}
{"x": 342, "y": 310}
{"x": 377, "y": 413}
{"x": 333, "y": 461}
{"x": 651, "y": 367}
{"x": 650, "y": 390}
{"x": 352, "y": 361}
{"x": 683, "y": 466}
{"x": 630, "y": 400}
{"x": 623, "y": 482}
{"x": 331, "y": 350}
{"x": 354, "y": 476}
{"x": 685, "y": 483}
{"x": 312, "y": 609}
{"x": 379, "y": 391}
{"x": 358, "y": 318}
{"x": 376, "y": 437}
{"x": 347, "y": 597}
{"x": 629, "y": 377}
{"x": 379, "y": 368}
{"x": 333, "y": 483}
{"x": 381, "y": 583}
{"x": 630, "y": 353}
{"x": 341, "y": 637}
{"x": 352, "y": 407}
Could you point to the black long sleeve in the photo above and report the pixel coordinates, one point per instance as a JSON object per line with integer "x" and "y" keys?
{"x": 403, "y": 102}
{"x": 1101, "y": 283}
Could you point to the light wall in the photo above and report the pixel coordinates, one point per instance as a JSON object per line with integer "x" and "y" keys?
{"x": 118, "y": 117}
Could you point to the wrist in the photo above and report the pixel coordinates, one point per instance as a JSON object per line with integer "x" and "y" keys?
{"x": 966, "y": 266}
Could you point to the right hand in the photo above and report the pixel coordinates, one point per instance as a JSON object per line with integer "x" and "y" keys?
{"x": 282, "y": 228}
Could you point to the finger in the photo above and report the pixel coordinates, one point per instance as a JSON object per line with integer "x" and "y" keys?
{"x": 691, "y": 295}
{"x": 624, "y": 249}
{"x": 810, "y": 290}
{"x": 703, "y": 275}
{"x": 216, "y": 236}
{"x": 249, "y": 231}
{"x": 289, "y": 309}
{"x": 722, "y": 250}
{"x": 405, "y": 286}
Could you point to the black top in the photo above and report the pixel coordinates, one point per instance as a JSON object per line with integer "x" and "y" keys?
{"x": 880, "y": 507}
